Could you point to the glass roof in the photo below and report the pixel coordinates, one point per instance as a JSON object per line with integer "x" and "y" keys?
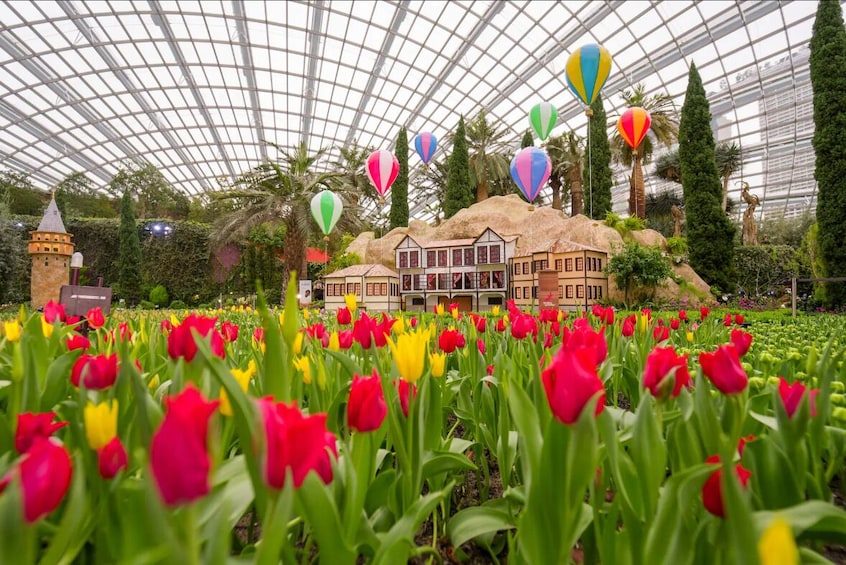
{"x": 194, "y": 87}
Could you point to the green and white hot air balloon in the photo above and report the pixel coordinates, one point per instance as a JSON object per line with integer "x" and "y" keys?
{"x": 326, "y": 207}
{"x": 543, "y": 117}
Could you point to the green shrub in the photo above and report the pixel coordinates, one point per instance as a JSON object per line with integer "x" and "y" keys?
{"x": 159, "y": 296}
{"x": 765, "y": 268}
{"x": 178, "y": 305}
{"x": 146, "y": 305}
{"x": 638, "y": 270}
{"x": 677, "y": 249}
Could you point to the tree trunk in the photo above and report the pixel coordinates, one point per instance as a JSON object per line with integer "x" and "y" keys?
{"x": 725, "y": 192}
{"x": 295, "y": 252}
{"x": 555, "y": 184}
{"x": 637, "y": 194}
{"x": 482, "y": 191}
{"x": 577, "y": 195}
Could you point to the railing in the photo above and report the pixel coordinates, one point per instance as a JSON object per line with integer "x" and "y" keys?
{"x": 448, "y": 282}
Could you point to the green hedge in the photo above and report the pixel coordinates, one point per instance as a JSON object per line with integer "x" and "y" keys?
{"x": 766, "y": 268}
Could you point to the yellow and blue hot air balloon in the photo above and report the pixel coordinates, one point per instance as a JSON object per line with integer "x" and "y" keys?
{"x": 587, "y": 70}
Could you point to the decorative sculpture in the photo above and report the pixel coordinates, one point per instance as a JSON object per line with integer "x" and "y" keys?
{"x": 678, "y": 218}
{"x": 750, "y": 227}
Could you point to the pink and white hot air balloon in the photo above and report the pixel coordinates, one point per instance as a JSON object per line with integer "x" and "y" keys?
{"x": 382, "y": 169}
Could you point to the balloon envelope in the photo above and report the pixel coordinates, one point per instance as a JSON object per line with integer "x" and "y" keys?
{"x": 587, "y": 70}
{"x": 326, "y": 207}
{"x": 382, "y": 169}
{"x": 543, "y": 117}
{"x": 425, "y": 143}
{"x": 633, "y": 125}
{"x": 530, "y": 169}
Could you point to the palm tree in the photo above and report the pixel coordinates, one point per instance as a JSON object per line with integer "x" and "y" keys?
{"x": 659, "y": 210}
{"x": 489, "y": 155}
{"x": 353, "y": 179}
{"x": 276, "y": 191}
{"x": 729, "y": 161}
{"x": 566, "y": 152}
{"x": 664, "y": 130}
{"x": 667, "y": 166}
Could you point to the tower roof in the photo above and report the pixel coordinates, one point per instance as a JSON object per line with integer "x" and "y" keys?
{"x": 52, "y": 220}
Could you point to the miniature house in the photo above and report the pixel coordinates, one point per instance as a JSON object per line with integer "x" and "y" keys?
{"x": 375, "y": 287}
{"x": 50, "y": 248}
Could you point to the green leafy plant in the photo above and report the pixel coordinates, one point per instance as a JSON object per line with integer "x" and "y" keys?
{"x": 638, "y": 270}
{"x": 159, "y": 296}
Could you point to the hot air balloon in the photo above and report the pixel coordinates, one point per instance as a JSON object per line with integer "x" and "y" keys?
{"x": 382, "y": 169}
{"x": 587, "y": 70}
{"x": 633, "y": 125}
{"x": 543, "y": 117}
{"x": 425, "y": 143}
{"x": 530, "y": 169}
{"x": 326, "y": 207}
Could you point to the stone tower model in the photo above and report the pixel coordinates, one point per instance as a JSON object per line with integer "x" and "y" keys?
{"x": 50, "y": 248}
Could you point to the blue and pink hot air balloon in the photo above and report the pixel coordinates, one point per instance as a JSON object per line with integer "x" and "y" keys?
{"x": 530, "y": 169}
{"x": 425, "y": 143}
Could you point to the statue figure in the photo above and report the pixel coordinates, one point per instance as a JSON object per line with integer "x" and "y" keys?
{"x": 678, "y": 217}
{"x": 750, "y": 227}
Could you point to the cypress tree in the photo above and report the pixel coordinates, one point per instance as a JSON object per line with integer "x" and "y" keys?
{"x": 597, "y": 170}
{"x": 828, "y": 80}
{"x": 527, "y": 140}
{"x": 399, "y": 192}
{"x": 460, "y": 192}
{"x": 710, "y": 234}
{"x": 129, "y": 260}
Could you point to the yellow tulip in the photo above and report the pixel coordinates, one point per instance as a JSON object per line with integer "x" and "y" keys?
{"x": 642, "y": 323}
{"x": 351, "y": 302}
{"x": 495, "y": 311}
{"x": 777, "y": 546}
{"x": 154, "y": 382}
{"x": 409, "y": 353}
{"x": 298, "y": 343}
{"x": 100, "y": 423}
{"x": 690, "y": 337}
{"x": 334, "y": 342}
{"x": 399, "y": 325}
{"x": 439, "y": 309}
{"x": 12, "y": 330}
{"x": 302, "y": 364}
{"x": 243, "y": 378}
{"x": 437, "y": 363}
{"x": 46, "y": 328}
{"x": 454, "y": 312}
{"x": 306, "y": 314}
{"x": 174, "y": 321}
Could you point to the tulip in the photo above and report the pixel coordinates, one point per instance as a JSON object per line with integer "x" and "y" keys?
{"x": 490, "y": 370}
{"x": 777, "y": 545}
{"x": 77, "y": 341}
{"x": 738, "y": 319}
{"x": 570, "y": 382}
{"x": 727, "y": 320}
{"x": 712, "y": 490}
{"x": 481, "y": 324}
{"x": 500, "y": 325}
{"x": 362, "y": 331}
{"x": 303, "y": 366}
{"x": 96, "y": 372}
{"x": 480, "y": 345}
{"x": 178, "y": 452}
{"x": 45, "y": 473}
{"x": 548, "y": 315}
{"x": 95, "y": 318}
{"x": 689, "y": 337}
{"x": 112, "y": 459}
{"x": 409, "y": 352}
{"x": 495, "y": 311}
{"x": 180, "y": 341}
{"x": 675, "y": 324}
{"x": 366, "y": 408}
{"x": 229, "y": 331}
{"x": 584, "y": 337}
{"x": 608, "y": 316}
{"x": 382, "y": 330}
{"x": 453, "y": 310}
{"x": 124, "y": 332}
{"x": 345, "y": 339}
{"x": 316, "y": 331}
{"x": 165, "y": 325}
{"x": 722, "y": 367}
{"x": 704, "y": 312}
{"x": 100, "y": 423}
{"x": 791, "y": 396}
{"x": 437, "y": 363}
{"x": 683, "y": 315}
{"x": 523, "y": 325}
{"x": 258, "y": 335}
{"x": 741, "y": 341}
{"x": 12, "y": 330}
{"x": 242, "y": 377}
{"x": 450, "y": 340}
{"x": 351, "y": 302}
{"x": 741, "y": 443}
{"x": 403, "y": 390}
{"x": 661, "y": 333}
{"x": 597, "y": 310}
{"x": 296, "y": 442}
{"x": 344, "y": 316}
{"x": 54, "y": 311}
{"x": 33, "y": 427}
{"x": 628, "y": 327}
{"x": 46, "y": 328}
{"x": 662, "y": 365}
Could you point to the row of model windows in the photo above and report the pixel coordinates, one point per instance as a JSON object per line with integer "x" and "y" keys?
{"x": 568, "y": 291}
{"x": 480, "y": 255}
{"x": 454, "y": 281}
{"x": 47, "y": 237}
{"x": 373, "y": 289}
{"x": 524, "y": 268}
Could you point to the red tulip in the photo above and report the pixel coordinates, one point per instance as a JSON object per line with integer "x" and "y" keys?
{"x": 345, "y": 339}
{"x": 741, "y": 443}
{"x": 450, "y": 340}
{"x": 547, "y": 315}
{"x": 675, "y": 324}
{"x": 738, "y": 319}
{"x": 412, "y": 322}
{"x": 608, "y": 316}
{"x": 54, "y": 311}
{"x": 628, "y": 327}
{"x": 597, "y": 310}
{"x": 366, "y": 408}
{"x": 741, "y": 340}
{"x": 791, "y": 396}
{"x": 660, "y": 333}
{"x": 722, "y": 367}
{"x": 362, "y": 332}
{"x": 95, "y": 318}
{"x": 111, "y": 459}
{"x": 584, "y": 337}
{"x": 403, "y": 389}
{"x": 683, "y": 315}
{"x": 73, "y": 320}
{"x": 77, "y": 341}
{"x": 704, "y": 312}
{"x": 382, "y": 330}
{"x": 180, "y": 341}
{"x": 33, "y": 427}
{"x": 481, "y": 324}
{"x": 95, "y": 372}
{"x": 662, "y": 364}
{"x": 523, "y": 325}
{"x": 229, "y": 331}
{"x": 647, "y": 312}
{"x": 547, "y": 340}
{"x": 500, "y": 325}
{"x": 178, "y": 452}
{"x": 490, "y": 370}
{"x": 570, "y": 382}
{"x": 480, "y": 344}
{"x": 124, "y": 331}
{"x": 316, "y": 331}
{"x": 727, "y": 320}
{"x": 344, "y": 316}
{"x": 165, "y": 326}
{"x": 258, "y": 335}
{"x": 712, "y": 490}
{"x": 45, "y": 472}
{"x": 294, "y": 441}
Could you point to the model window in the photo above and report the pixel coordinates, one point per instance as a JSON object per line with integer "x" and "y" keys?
{"x": 443, "y": 281}
{"x": 569, "y": 291}
{"x": 499, "y": 279}
{"x": 599, "y": 295}
{"x": 456, "y": 281}
{"x": 495, "y": 255}
{"x": 580, "y": 264}
{"x": 406, "y": 282}
{"x": 430, "y": 281}
{"x": 456, "y": 258}
{"x": 442, "y": 258}
{"x": 558, "y": 263}
{"x": 403, "y": 259}
{"x": 580, "y": 291}
{"x": 468, "y": 257}
{"x": 484, "y": 280}
{"x": 468, "y": 281}
{"x": 414, "y": 259}
{"x": 568, "y": 265}
{"x": 560, "y": 292}
{"x": 431, "y": 257}
{"x": 482, "y": 255}
{"x": 383, "y": 287}
{"x": 369, "y": 289}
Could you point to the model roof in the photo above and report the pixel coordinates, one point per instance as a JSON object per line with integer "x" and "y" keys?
{"x": 52, "y": 220}
{"x": 366, "y": 270}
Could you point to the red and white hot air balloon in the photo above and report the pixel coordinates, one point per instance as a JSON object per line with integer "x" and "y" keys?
{"x": 382, "y": 170}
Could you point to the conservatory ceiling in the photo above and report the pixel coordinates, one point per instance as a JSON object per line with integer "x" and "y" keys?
{"x": 195, "y": 88}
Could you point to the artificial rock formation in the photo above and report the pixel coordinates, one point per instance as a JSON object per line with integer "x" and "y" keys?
{"x": 511, "y": 215}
